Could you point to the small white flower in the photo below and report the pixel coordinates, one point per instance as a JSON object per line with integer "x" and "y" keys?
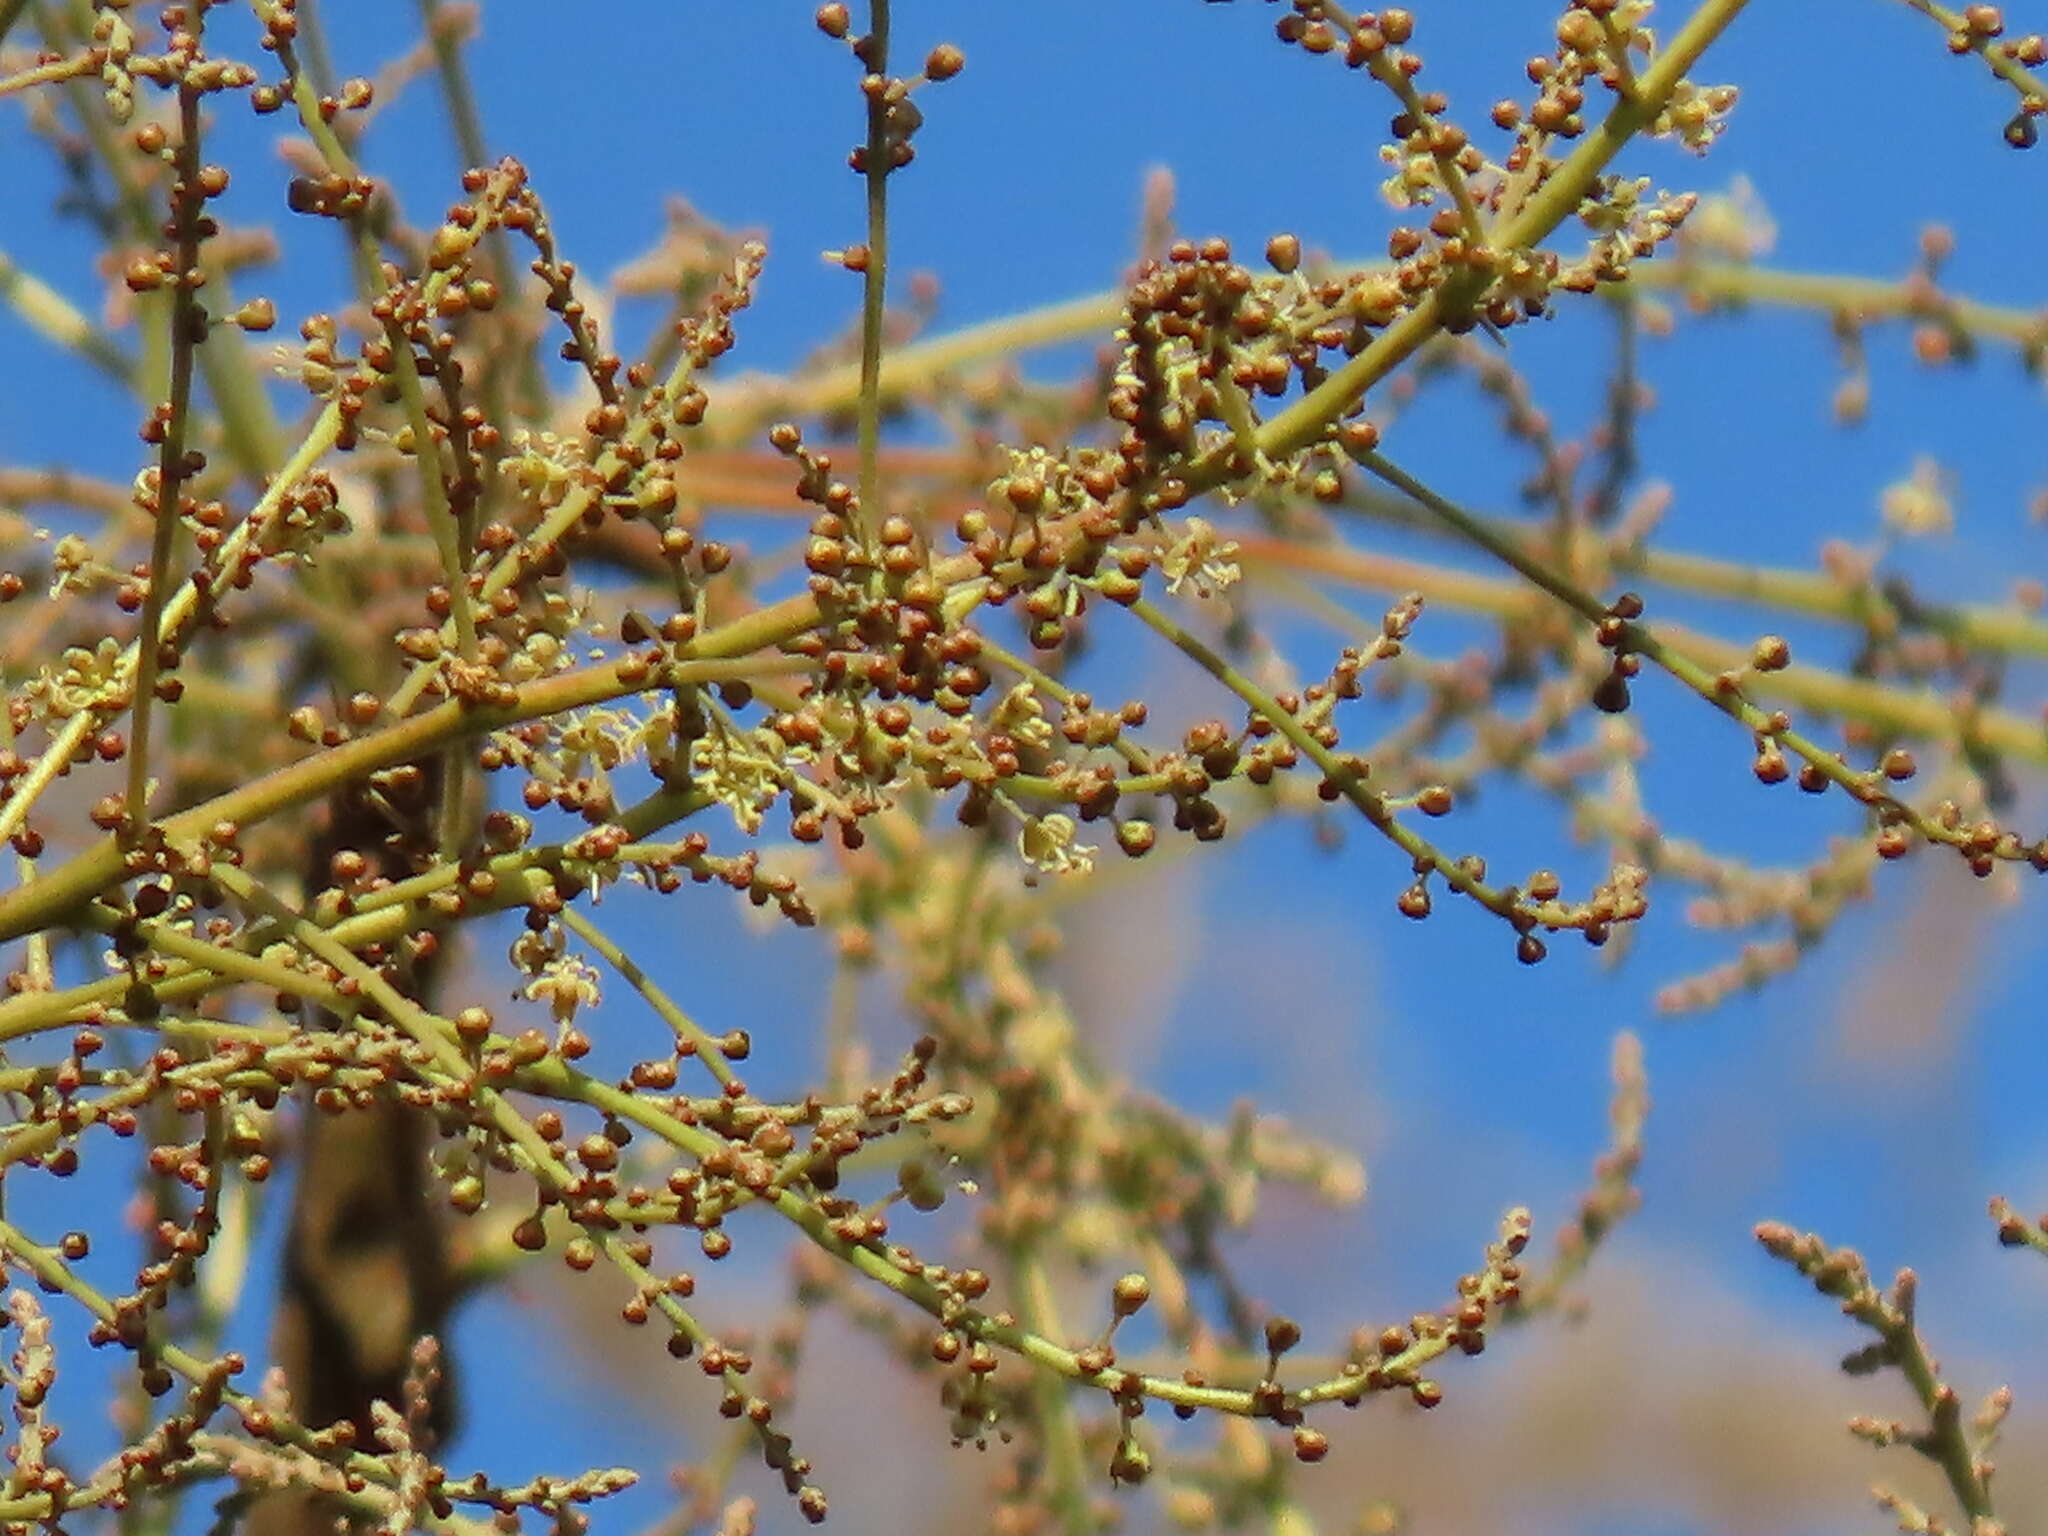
{"x": 1200, "y": 559}
{"x": 1047, "y": 843}
{"x": 1023, "y": 717}
{"x": 1919, "y": 504}
{"x": 566, "y": 985}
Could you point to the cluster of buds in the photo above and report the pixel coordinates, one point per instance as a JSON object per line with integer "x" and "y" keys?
{"x": 1957, "y": 1445}
{"x": 278, "y": 951}
{"x": 893, "y": 116}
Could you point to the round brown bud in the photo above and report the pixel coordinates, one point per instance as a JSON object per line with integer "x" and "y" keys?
{"x": 1932, "y": 344}
{"x": 944, "y": 62}
{"x": 1310, "y": 1444}
{"x": 1129, "y": 1294}
{"x": 1358, "y": 437}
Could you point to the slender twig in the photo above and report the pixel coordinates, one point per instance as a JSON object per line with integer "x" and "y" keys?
{"x": 441, "y": 519}
{"x": 1917, "y": 712}
{"x": 188, "y": 329}
{"x": 1349, "y": 780}
{"x": 872, "y": 1259}
{"x": 437, "y": 1036}
{"x": 177, "y": 614}
{"x": 875, "y": 274}
{"x": 43, "y": 74}
{"x": 445, "y": 28}
{"x": 1613, "y": 1195}
{"x": 687, "y": 1030}
{"x": 1722, "y": 690}
{"x": 87, "y": 874}
{"x": 1424, "y": 123}
{"x": 50, "y": 1270}
{"x": 53, "y": 316}
{"x": 1840, "y": 1273}
{"x": 1309, "y": 418}
{"x": 1986, "y": 46}
{"x": 1058, "y": 1429}
{"x": 379, "y": 917}
{"x": 2015, "y": 1231}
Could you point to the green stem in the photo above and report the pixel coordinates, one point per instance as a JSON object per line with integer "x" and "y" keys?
{"x": 874, "y": 277}
{"x": 437, "y": 1036}
{"x": 562, "y": 519}
{"x": 874, "y": 1260}
{"x": 442, "y": 522}
{"x": 1389, "y": 74}
{"x": 234, "y": 380}
{"x": 49, "y": 1270}
{"x": 1721, "y": 689}
{"x": 1921, "y": 713}
{"x": 444, "y": 29}
{"x": 26, "y": 910}
{"x": 1350, "y": 782}
{"x": 56, "y": 319}
{"x": 177, "y": 614}
{"x": 917, "y": 365}
{"x": 187, "y": 326}
{"x": 380, "y": 917}
{"x": 686, "y": 1029}
{"x": 2008, "y": 69}
{"x": 1305, "y": 422}
{"x": 1059, "y": 1432}
{"x": 1979, "y": 627}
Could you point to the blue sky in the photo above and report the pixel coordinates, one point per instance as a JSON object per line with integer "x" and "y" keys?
{"x": 1469, "y": 1082}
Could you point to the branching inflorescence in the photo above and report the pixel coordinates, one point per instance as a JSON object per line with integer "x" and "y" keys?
{"x": 330, "y": 693}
